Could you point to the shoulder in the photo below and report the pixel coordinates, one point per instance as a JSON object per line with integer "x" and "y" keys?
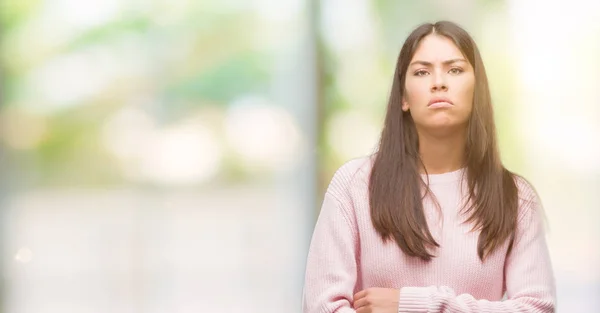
{"x": 526, "y": 190}
{"x": 354, "y": 171}
{"x": 528, "y": 199}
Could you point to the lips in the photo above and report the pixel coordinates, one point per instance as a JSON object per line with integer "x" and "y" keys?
{"x": 440, "y": 102}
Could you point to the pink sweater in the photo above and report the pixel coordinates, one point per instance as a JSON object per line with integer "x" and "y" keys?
{"x": 346, "y": 255}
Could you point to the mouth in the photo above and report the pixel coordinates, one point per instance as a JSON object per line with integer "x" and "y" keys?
{"x": 440, "y": 103}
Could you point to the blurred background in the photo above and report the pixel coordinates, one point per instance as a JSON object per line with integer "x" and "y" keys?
{"x": 171, "y": 156}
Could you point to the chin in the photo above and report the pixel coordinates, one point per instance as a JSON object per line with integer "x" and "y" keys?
{"x": 444, "y": 127}
{"x": 442, "y": 122}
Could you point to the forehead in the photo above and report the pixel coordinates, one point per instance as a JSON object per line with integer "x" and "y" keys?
{"x": 434, "y": 48}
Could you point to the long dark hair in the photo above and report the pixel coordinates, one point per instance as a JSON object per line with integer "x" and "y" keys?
{"x": 395, "y": 187}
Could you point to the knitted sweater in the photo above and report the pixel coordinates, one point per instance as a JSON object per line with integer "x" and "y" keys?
{"x": 347, "y": 255}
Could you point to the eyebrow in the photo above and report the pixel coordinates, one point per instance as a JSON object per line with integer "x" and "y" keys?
{"x": 447, "y": 62}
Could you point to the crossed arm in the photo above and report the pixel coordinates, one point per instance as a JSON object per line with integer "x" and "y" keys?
{"x": 332, "y": 267}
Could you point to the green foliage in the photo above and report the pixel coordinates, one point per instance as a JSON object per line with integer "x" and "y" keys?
{"x": 14, "y": 12}
{"x": 241, "y": 74}
{"x": 103, "y": 33}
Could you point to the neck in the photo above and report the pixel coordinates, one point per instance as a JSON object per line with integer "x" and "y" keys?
{"x": 442, "y": 154}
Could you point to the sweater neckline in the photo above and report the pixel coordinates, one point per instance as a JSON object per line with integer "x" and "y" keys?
{"x": 444, "y": 177}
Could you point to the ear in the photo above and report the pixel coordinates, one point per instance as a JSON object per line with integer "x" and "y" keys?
{"x": 405, "y": 105}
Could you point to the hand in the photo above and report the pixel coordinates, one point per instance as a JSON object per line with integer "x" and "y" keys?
{"x": 377, "y": 300}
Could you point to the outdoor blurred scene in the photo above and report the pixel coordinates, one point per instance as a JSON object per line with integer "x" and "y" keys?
{"x": 171, "y": 156}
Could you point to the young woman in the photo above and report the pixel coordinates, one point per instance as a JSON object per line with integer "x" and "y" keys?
{"x": 432, "y": 222}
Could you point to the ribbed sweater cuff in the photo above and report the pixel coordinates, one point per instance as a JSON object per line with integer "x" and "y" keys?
{"x": 415, "y": 299}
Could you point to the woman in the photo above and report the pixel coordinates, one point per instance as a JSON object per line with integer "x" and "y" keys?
{"x": 432, "y": 222}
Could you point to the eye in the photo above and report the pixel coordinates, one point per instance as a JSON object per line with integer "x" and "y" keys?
{"x": 421, "y": 73}
{"x": 455, "y": 70}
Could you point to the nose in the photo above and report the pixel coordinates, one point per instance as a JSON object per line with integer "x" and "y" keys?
{"x": 439, "y": 82}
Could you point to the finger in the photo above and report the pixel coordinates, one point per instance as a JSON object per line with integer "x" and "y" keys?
{"x": 360, "y": 294}
{"x": 360, "y": 303}
{"x": 364, "y": 309}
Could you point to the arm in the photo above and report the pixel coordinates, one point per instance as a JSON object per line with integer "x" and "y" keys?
{"x": 331, "y": 265}
{"x": 528, "y": 274}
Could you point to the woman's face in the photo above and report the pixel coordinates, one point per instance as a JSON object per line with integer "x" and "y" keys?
{"x": 439, "y": 86}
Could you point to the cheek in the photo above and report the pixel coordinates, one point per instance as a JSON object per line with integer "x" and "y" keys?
{"x": 415, "y": 92}
{"x": 467, "y": 93}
